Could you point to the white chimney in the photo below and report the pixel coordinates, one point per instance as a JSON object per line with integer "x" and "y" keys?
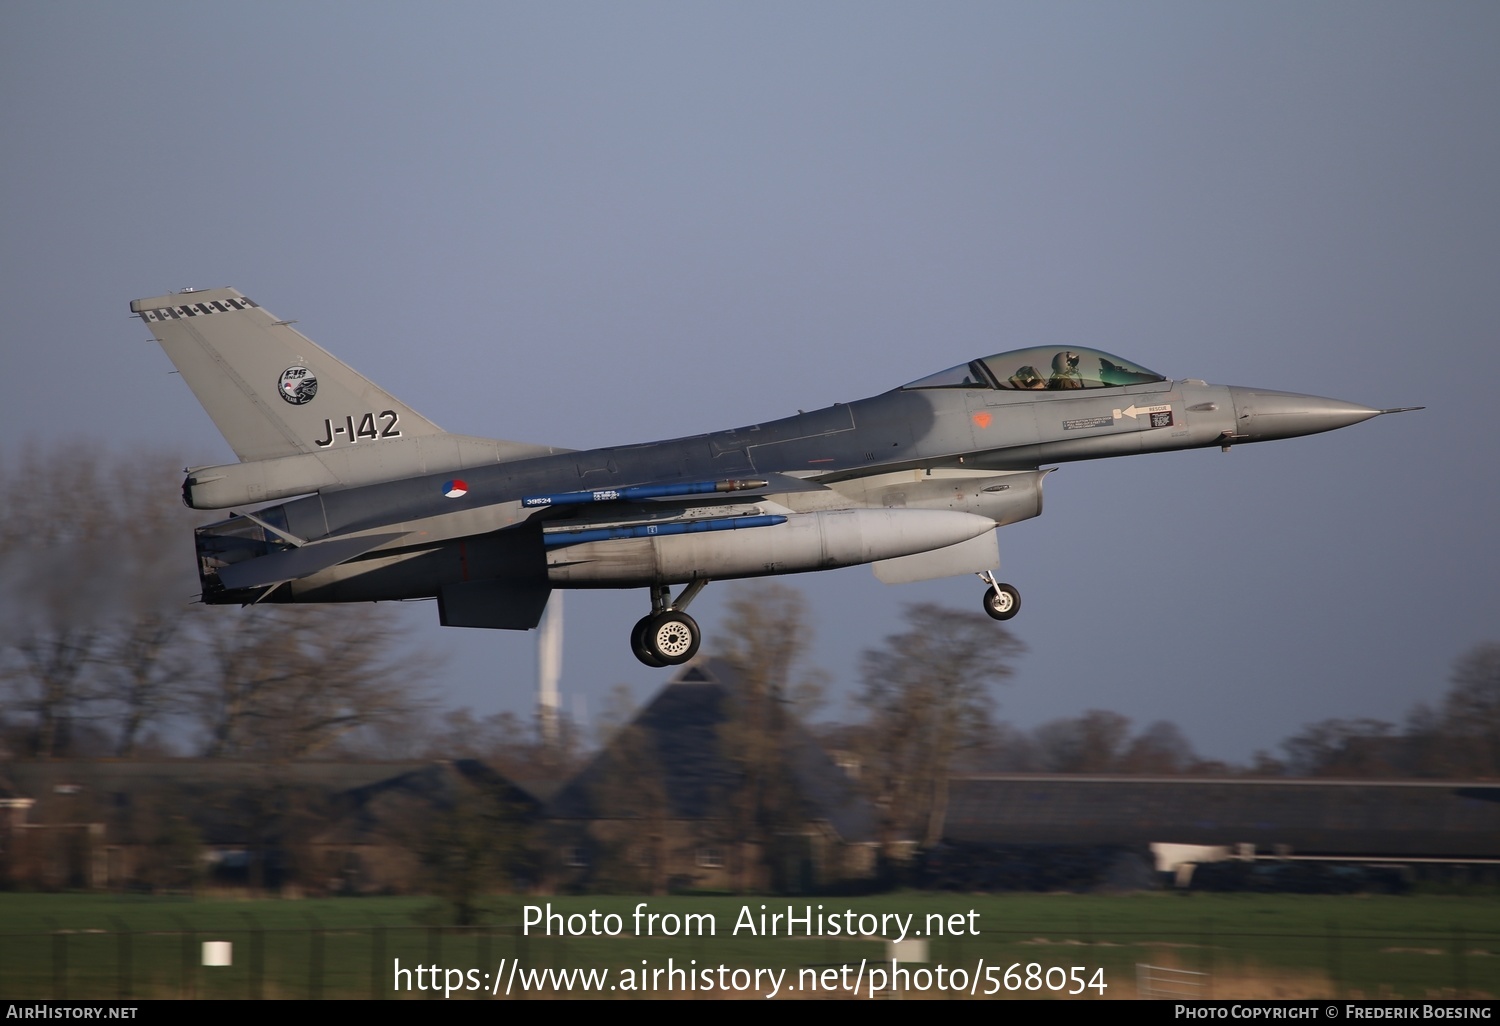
{"x": 549, "y": 667}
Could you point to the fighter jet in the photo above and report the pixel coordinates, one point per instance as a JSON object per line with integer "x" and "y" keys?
{"x": 382, "y": 504}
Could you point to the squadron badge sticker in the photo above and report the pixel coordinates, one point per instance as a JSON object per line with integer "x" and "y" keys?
{"x": 297, "y": 385}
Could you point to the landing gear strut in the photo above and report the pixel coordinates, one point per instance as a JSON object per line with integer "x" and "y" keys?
{"x": 668, "y": 636}
{"x": 1001, "y": 601}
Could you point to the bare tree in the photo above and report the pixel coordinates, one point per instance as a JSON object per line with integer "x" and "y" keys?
{"x": 1005, "y": 749}
{"x": 48, "y": 664}
{"x": 1091, "y": 743}
{"x": 766, "y": 635}
{"x": 153, "y": 638}
{"x": 616, "y": 712}
{"x": 507, "y": 742}
{"x": 1471, "y": 711}
{"x": 50, "y": 637}
{"x": 1429, "y": 751}
{"x": 633, "y": 856}
{"x": 470, "y": 835}
{"x": 148, "y": 660}
{"x": 293, "y": 682}
{"x": 1161, "y": 749}
{"x": 928, "y": 693}
{"x": 1362, "y": 748}
{"x": 93, "y": 592}
{"x": 1461, "y": 738}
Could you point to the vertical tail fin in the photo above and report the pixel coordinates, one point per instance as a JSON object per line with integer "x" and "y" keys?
{"x": 270, "y": 390}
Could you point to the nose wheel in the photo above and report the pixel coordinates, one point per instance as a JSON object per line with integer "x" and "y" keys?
{"x": 667, "y": 637}
{"x": 1001, "y": 601}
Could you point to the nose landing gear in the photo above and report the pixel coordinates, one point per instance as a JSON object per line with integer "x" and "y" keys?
{"x": 1001, "y": 601}
{"x": 668, "y": 636}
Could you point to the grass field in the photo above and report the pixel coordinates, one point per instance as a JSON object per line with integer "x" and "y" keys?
{"x": 1244, "y": 945}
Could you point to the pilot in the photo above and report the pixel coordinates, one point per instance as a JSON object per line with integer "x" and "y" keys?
{"x": 1027, "y": 378}
{"x": 1065, "y": 372}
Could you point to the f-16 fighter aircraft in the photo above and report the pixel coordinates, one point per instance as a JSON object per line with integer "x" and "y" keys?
{"x": 384, "y": 504}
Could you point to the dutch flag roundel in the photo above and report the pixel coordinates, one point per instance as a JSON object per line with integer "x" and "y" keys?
{"x": 455, "y": 489}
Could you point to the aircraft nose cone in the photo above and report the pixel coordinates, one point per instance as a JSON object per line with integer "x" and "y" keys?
{"x": 1262, "y": 414}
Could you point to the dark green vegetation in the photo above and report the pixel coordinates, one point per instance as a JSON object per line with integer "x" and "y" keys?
{"x": 1250, "y": 946}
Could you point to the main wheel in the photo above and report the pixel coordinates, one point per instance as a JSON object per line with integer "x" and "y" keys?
{"x": 1002, "y": 601}
{"x": 673, "y": 637}
{"x": 638, "y": 643}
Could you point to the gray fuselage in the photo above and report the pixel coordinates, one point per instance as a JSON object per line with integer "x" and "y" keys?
{"x": 915, "y": 448}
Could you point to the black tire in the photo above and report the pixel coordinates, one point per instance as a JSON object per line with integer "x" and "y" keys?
{"x": 673, "y": 637}
{"x": 638, "y": 643}
{"x": 1002, "y": 601}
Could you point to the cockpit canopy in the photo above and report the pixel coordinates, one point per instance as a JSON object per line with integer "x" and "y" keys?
{"x": 1041, "y": 368}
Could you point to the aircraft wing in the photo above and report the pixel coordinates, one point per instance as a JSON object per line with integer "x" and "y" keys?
{"x": 290, "y": 564}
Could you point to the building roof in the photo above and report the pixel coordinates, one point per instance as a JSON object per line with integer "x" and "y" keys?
{"x": 361, "y": 815}
{"x": 234, "y": 803}
{"x": 1414, "y": 819}
{"x": 680, "y": 732}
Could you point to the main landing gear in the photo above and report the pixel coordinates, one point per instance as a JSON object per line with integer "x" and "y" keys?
{"x": 668, "y": 636}
{"x": 1001, "y": 601}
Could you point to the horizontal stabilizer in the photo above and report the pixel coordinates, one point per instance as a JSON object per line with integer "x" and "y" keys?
{"x": 292, "y": 564}
{"x": 969, "y": 557}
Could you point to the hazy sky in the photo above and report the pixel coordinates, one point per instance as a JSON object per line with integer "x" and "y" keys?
{"x": 590, "y": 224}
